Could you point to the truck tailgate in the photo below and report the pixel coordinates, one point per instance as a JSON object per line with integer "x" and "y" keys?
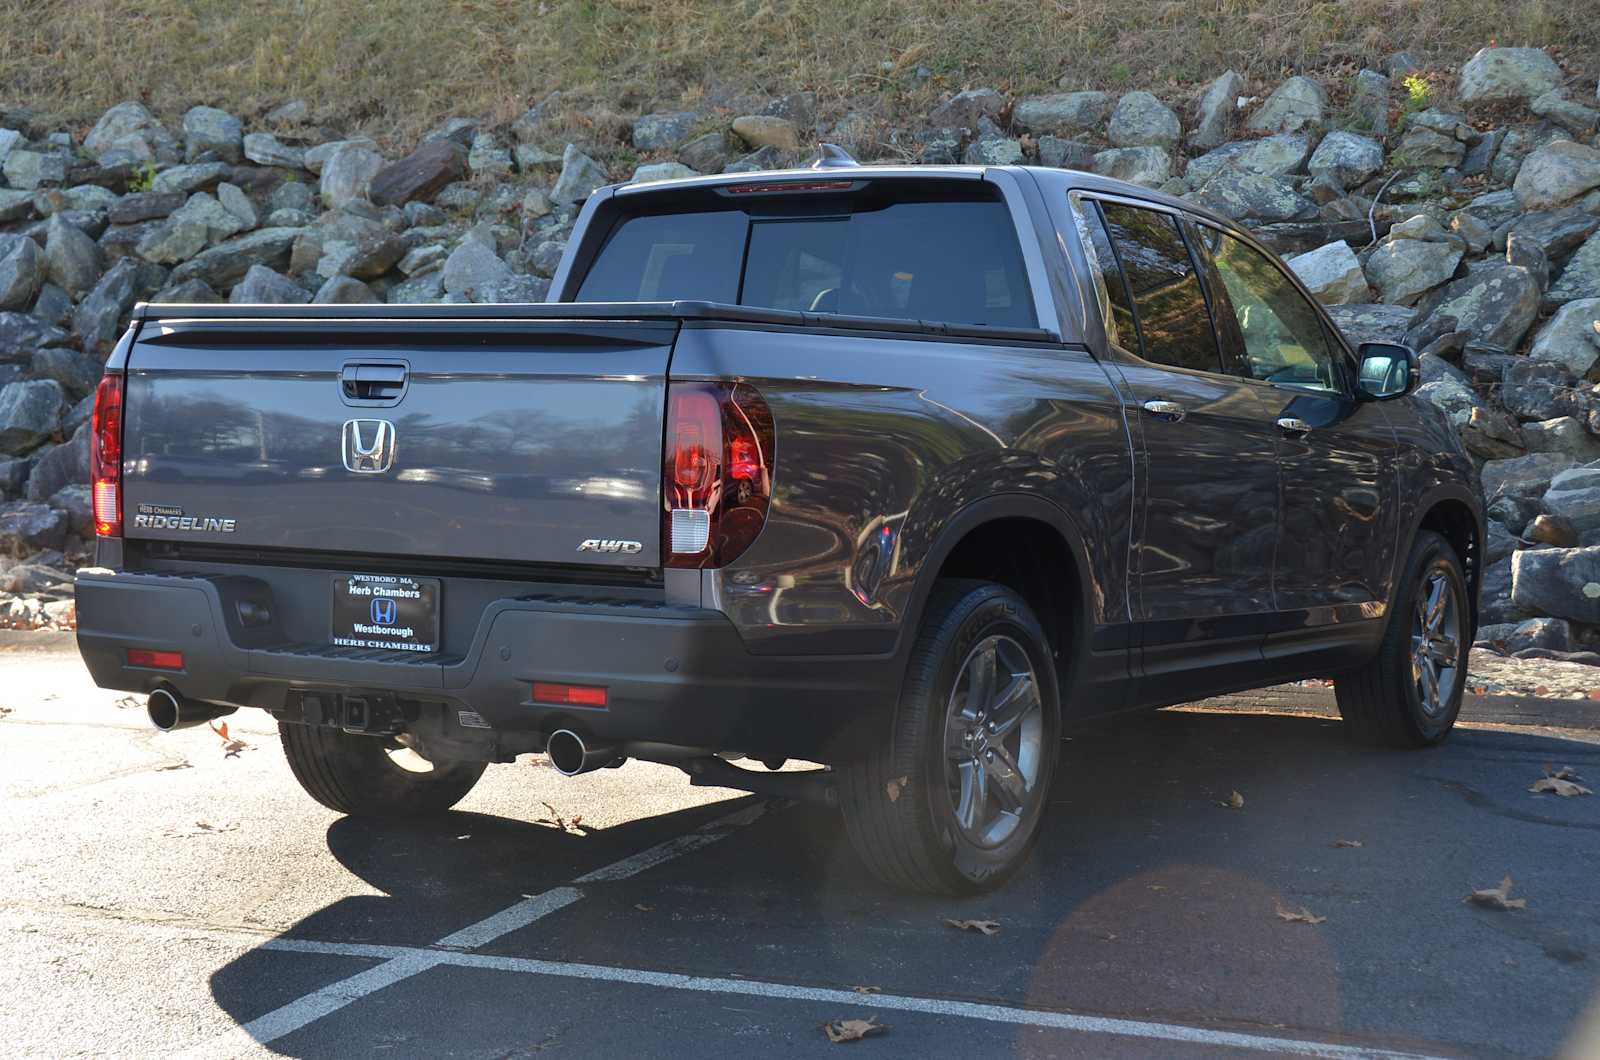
{"x": 514, "y": 440}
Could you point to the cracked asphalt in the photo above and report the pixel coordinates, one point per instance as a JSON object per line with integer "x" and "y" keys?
{"x": 165, "y": 899}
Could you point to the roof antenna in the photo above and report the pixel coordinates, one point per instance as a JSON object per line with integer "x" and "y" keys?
{"x": 832, "y": 156}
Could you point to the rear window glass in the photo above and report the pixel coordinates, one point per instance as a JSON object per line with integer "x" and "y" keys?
{"x": 956, "y": 262}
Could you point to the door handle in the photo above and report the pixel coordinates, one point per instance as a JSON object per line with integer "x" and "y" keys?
{"x": 1291, "y": 426}
{"x": 1170, "y": 411}
{"x": 373, "y": 382}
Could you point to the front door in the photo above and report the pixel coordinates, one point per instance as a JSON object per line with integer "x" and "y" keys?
{"x": 1208, "y": 459}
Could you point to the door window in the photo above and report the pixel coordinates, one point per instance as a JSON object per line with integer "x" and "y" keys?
{"x": 1174, "y": 322}
{"x": 1283, "y": 337}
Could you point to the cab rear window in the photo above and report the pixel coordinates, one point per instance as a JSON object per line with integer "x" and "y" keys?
{"x": 953, "y": 260}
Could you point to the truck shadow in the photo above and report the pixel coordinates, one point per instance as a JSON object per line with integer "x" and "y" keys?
{"x": 1148, "y": 893}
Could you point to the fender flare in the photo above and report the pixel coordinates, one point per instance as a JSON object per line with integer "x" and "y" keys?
{"x": 1447, "y": 491}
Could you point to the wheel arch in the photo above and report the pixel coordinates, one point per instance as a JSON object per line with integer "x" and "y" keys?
{"x": 1453, "y": 512}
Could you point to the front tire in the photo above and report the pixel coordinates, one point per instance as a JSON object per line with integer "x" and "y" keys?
{"x": 1410, "y": 694}
{"x": 372, "y": 776}
{"x": 952, "y": 800}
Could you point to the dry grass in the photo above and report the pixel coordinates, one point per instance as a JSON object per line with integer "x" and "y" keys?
{"x": 393, "y": 67}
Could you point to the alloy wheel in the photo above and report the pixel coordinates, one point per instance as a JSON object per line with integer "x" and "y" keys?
{"x": 994, "y": 737}
{"x": 1436, "y": 641}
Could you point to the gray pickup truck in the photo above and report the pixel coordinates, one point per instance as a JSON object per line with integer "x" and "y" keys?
{"x": 895, "y": 470}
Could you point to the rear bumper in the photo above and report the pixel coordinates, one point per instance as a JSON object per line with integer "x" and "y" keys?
{"x": 674, "y": 675}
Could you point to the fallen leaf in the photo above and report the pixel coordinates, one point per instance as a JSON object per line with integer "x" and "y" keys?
{"x": 988, "y": 927}
{"x": 1541, "y": 690}
{"x": 1347, "y": 842}
{"x": 895, "y": 787}
{"x": 467, "y": 836}
{"x": 126, "y": 702}
{"x": 1497, "y": 897}
{"x": 230, "y": 746}
{"x": 173, "y": 765}
{"x": 841, "y": 1031}
{"x": 867, "y": 989}
{"x": 1564, "y": 773}
{"x": 4, "y": 711}
{"x": 1594, "y": 693}
{"x": 1300, "y": 916}
{"x": 1565, "y": 788}
{"x": 644, "y": 908}
{"x": 1233, "y": 802}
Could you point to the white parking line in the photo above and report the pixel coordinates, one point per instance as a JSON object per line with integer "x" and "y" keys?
{"x": 930, "y": 1006}
{"x": 402, "y": 962}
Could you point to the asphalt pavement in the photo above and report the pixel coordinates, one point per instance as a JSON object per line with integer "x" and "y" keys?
{"x": 167, "y": 899}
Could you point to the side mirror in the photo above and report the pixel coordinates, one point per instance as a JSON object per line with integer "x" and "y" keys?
{"x": 1388, "y": 370}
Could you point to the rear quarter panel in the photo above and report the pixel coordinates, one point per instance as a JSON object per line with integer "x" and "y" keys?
{"x": 881, "y": 442}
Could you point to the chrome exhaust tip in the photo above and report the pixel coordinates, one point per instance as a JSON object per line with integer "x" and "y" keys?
{"x": 571, "y": 755}
{"x": 169, "y": 710}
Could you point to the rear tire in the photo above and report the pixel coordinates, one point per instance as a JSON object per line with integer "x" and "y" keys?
{"x": 950, "y": 803}
{"x": 1410, "y": 694}
{"x": 363, "y": 776}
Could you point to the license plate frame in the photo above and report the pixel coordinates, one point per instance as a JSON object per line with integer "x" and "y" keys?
{"x": 388, "y": 612}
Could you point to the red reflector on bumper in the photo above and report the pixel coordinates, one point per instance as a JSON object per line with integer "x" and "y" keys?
{"x": 155, "y": 660}
{"x": 569, "y": 695}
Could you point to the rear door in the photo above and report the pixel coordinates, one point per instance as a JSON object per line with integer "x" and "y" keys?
{"x": 1336, "y": 539}
{"x": 508, "y": 440}
{"x": 1209, "y": 458}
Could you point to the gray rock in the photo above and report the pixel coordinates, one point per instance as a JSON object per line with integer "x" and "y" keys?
{"x": 1270, "y": 156}
{"x": 1297, "y": 104}
{"x": 27, "y": 170}
{"x": 1332, "y": 274}
{"x": 1522, "y": 478}
{"x": 1494, "y": 208}
{"x": 580, "y": 175}
{"x": 1549, "y": 633}
{"x": 425, "y": 288}
{"x": 344, "y": 290}
{"x": 352, "y": 245}
{"x": 144, "y": 206}
{"x": 1574, "y": 117}
{"x": 1539, "y": 390}
{"x": 53, "y": 305}
{"x": 547, "y": 256}
{"x": 963, "y": 110}
{"x": 172, "y": 241}
{"x": 488, "y": 158}
{"x": 705, "y": 154}
{"x": 534, "y": 122}
{"x": 236, "y": 202}
{"x": 9, "y": 139}
{"x": 127, "y": 133}
{"x": 1553, "y": 530}
{"x": 1495, "y": 304}
{"x": 1495, "y": 604}
{"x": 1214, "y": 112}
{"x": 1562, "y": 435}
{"x": 317, "y": 157}
{"x": 22, "y": 331}
{"x": 459, "y": 131}
{"x": 264, "y": 149}
{"x": 473, "y": 270}
{"x": 205, "y": 210}
{"x": 263, "y": 285}
{"x": 1062, "y": 114}
{"x": 191, "y": 178}
{"x": 225, "y": 264}
{"x": 1445, "y": 122}
{"x": 1425, "y": 148}
{"x": 209, "y": 131}
{"x": 1556, "y": 232}
{"x": 102, "y": 310}
{"x": 655, "y": 171}
{"x": 15, "y": 205}
{"x": 1141, "y": 120}
{"x": 422, "y": 259}
{"x": 78, "y": 373}
{"x": 78, "y": 505}
{"x": 757, "y": 161}
{"x": 347, "y": 175}
{"x": 1499, "y": 543}
{"x": 1563, "y": 582}
{"x": 518, "y": 289}
{"x": 534, "y": 160}
{"x": 1571, "y": 338}
{"x": 764, "y": 130}
{"x": 1492, "y": 435}
{"x": 1480, "y": 155}
{"x": 1065, "y": 154}
{"x": 1374, "y": 323}
{"x": 1346, "y": 159}
{"x": 993, "y": 151}
{"x": 72, "y": 260}
{"x": 294, "y": 112}
{"x": 1368, "y": 110}
{"x": 187, "y": 291}
{"x": 1247, "y": 196}
{"x": 1557, "y": 173}
{"x": 1501, "y": 75}
{"x": 663, "y": 131}
{"x": 422, "y": 213}
{"x": 30, "y": 412}
{"x": 28, "y": 526}
{"x": 22, "y": 270}
{"x": 1445, "y": 387}
{"x": 1580, "y": 279}
{"x": 1149, "y": 166}
{"x": 1403, "y": 270}
{"x": 1574, "y": 495}
{"x": 420, "y": 175}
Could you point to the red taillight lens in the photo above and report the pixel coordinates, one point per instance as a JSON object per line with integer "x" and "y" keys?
{"x": 569, "y": 695}
{"x": 105, "y": 456}
{"x": 155, "y": 660}
{"x": 718, "y": 475}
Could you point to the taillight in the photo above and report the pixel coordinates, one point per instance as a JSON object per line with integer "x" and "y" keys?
{"x": 150, "y": 659}
{"x": 718, "y": 475}
{"x": 105, "y": 456}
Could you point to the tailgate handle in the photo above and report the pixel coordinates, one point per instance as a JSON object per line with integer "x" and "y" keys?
{"x": 373, "y": 382}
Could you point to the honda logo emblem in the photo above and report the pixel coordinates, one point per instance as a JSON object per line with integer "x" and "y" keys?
{"x": 368, "y": 446}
